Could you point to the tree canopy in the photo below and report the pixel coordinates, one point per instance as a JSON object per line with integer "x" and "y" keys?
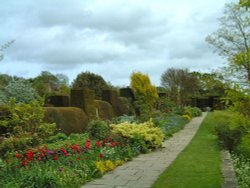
{"x": 232, "y": 39}
{"x": 91, "y": 81}
{"x": 180, "y": 83}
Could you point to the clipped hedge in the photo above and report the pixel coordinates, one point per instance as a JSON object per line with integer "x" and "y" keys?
{"x": 68, "y": 119}
{"x": 57, "y": 101}
{"x": 105, "y": 110}
{"x": 84, "y": 99}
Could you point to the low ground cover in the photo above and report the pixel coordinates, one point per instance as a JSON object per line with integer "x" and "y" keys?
{"x": 199, "y": 164}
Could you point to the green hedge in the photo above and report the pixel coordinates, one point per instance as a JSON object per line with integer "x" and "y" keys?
{"x": 105, "y": 110}
{"x": 68, "y": 119}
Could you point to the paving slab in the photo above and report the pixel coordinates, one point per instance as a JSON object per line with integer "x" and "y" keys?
{"x": 144, "y": 170}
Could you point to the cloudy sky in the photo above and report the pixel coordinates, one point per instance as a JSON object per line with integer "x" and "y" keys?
{"x": 111, "y": 38}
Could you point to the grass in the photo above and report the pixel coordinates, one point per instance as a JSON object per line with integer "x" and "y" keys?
{"x": 198, "y": 166}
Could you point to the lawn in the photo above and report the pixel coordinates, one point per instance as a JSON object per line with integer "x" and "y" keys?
{"x": 198, "y": 165}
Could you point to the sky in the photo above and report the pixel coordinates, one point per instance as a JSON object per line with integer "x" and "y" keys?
{"x": 112, "y": 38}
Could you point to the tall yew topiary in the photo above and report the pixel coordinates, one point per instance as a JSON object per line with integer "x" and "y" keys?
{"x": 145, "y": 94}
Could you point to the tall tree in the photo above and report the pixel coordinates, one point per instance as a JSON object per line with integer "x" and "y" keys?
{"x": 91, "y": 81}
{"x": 181, "y": 84}
{"x": 232, "y": 39}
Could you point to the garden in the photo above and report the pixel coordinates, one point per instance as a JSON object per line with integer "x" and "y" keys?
{"x": 37, "y": 153}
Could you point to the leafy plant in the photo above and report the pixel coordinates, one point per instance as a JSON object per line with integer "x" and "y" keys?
{"x": 99, "y": 129}
{"x": 145, "y": 132}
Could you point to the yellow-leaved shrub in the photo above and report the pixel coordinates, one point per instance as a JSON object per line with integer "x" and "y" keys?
{"x": 150, "y": 135}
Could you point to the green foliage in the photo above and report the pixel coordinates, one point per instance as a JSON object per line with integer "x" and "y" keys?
{"x": 49, "y": 84}
{"x": 210, "y": 84}
{"x": 245, "y": 3}
{"x": 25, "y": 126}
{"x": 240, "y": 100}
{"x": 231, "y": 39}
{"x": 231, "y": 130}
{"x": 56, "y": 138}
{"x": 165, "y": 104}
{"x": 145, "y": 94}
{"x": 125, "y": 118}
{"x": 105, "y": 110}
{"x": 20, "y": 89}
{"x": 67, "y": 119}
{"x": 26, "y": 118}
{"x": 192, "y": 111}
{"x": 91, "y": 81}
{"x": 243, "y": 147}
{"x": 170, "y": 123}
{"x": 99, "y": 130}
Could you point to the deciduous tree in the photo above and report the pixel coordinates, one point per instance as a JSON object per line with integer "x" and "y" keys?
{"x": 232, "y": 39}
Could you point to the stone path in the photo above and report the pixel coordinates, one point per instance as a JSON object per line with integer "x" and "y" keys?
{"x": 227, "y": 169}
{"x": 143, "y": 171}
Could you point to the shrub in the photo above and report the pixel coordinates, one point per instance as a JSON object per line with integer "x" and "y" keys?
{"x": 244, "y": 146}
{"x": 151, "y": 136}
{"x": 67, "y": 119}
{"x": 192, "y": 111}
{"x": 145, "y": 93}
{"x": 99, "y": 129}
{"x": 170, "y": 123}
{"x": 19, "y": 89}
{"x": 105, "y": 110}
{"x": 230, "y": 132}
{"x": 27, "y": 118}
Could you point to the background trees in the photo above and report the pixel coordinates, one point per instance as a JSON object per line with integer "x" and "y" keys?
{"x": 47, "y": 83}
{"x": 91, "y": 81}
{"x": 232, "y": 39}
{"x": 180, "y": 83}
{"x": 20, "y": 89}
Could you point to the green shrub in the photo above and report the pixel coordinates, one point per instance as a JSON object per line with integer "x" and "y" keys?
{"x": 230, "y": 132}
{"x": 244, "y": 146}
{"x": 68, "y": 119}
{"x": 105, "y": 110}
{"x": 56, "y": 138}
{"x": 170, "y": 123}
{"x": 99, "y": 129}
{"x": 125, "y": 118}
{"x": 192, "y": 111}
{"x": 27, "y": 118}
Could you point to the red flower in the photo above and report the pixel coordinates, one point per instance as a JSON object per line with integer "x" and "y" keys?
{"x": 18, "y": 156}
{"x": 24, "y": 162}
{"x": 30, "y": 154}
{"x": 39, "y": 158}
{"x": 101, "y": 155}
{"x": 99, "y": 144}
{"x": 78, "y": 158}
{"x": 87, "y": 144}
{"x": 55, "y": 158}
